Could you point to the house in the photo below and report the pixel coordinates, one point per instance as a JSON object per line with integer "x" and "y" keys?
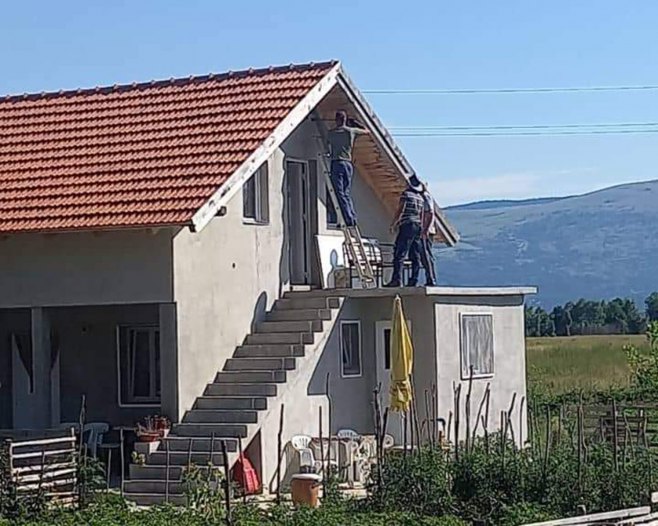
{"x": 161, "y": 252}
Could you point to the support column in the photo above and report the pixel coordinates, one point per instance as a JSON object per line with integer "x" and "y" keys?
{"x": 41, "y": 366}
{"x": 169, "y": 361}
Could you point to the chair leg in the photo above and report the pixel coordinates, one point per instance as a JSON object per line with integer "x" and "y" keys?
{"x": 108, "y": 469}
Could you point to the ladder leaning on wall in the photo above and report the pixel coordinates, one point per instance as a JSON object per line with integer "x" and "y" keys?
{"x": 353, "y": 239}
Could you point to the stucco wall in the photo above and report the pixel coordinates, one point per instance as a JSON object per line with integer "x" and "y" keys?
{"x": 225, "y": 278}
{"x": 228, "y": 275}
{"x": 509, "y": 358}
{"x": 435, "y": 332}
{"x": 131, "y": 266}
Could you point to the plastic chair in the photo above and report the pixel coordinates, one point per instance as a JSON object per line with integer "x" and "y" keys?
{"x": 302, "y": 445}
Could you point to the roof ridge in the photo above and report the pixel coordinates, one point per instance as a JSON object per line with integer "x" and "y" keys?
{"x": 173, "y": 81}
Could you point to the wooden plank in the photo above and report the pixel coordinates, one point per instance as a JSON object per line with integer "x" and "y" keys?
{"x": 43, "y": 453}
{"x": 45, "y": 475}
{"x": 48, "y": 484}
{"x": 44, "y": 441}
{"x": 38, "y": 468}
{"x": 596, "y": 517}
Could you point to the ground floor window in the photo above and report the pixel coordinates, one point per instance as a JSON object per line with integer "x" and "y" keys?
{"x": 477, "y": 349}
{"x": 139, "y": 365}
{"x": 350, "y": 347}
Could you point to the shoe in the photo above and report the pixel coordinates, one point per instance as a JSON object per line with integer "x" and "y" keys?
{"x": 412, "y": 283}
{"x": 392, "y": 284}
{"x": 430, "y": 284}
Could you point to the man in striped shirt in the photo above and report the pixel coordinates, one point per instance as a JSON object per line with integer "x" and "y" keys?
{"x": 409, "y": 222}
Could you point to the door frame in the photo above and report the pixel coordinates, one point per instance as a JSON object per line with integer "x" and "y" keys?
{"x": 306, "y": 222}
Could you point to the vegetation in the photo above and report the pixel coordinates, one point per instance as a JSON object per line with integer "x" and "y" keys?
{"x": 586, "y": 317}
{"x": 581, "y": 363}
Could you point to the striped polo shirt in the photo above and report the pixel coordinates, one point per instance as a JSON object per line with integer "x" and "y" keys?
{"x": 413, "y": 205}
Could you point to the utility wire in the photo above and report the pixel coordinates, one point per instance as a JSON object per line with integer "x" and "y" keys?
{"x": 521, "y": 133}
{"x": 508, "y": 90}
{"x": 524, "y": 127}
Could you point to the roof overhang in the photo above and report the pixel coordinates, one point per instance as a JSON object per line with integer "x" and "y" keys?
{"x": 333, "y": 91}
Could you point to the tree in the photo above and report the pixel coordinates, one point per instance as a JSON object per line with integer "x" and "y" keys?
{"x": 652, "y": 306}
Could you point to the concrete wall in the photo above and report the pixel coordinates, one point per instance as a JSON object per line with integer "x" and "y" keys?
{"x": 88, "y": 360}
{"x": 131, "y": 266}
{"x": 436, "y": 336}
{"x": 509, "y": 358}
{"x": 227, "y": 276}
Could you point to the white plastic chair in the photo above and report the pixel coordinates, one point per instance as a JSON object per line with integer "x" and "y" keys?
{"x": 302, "y": 445}
{"x": 349, "y": 441}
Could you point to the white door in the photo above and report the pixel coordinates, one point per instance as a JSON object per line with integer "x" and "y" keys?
{"x": 298, "y": 205}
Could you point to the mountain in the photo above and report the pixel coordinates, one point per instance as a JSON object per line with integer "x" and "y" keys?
{"x": 598, "y": 246}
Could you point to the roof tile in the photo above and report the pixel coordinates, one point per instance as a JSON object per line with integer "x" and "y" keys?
{"x": 142, "y": 155}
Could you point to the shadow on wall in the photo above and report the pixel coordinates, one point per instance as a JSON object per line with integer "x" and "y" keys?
{"x": 284, "y": 258}
{"x": 260, "y": 309}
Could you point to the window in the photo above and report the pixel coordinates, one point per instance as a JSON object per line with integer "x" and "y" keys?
{"x": 139, "y": 365}
{"x": 350, "y": 348}
{"x": 256, "y": 197}
{"x": 477, "y": 345}
{"x": 332, "y": 217}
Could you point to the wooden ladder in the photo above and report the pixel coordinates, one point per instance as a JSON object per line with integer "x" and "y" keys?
{"x": 353, "y": 240}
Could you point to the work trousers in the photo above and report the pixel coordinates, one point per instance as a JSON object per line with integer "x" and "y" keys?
{"x": 427, "y": 261}
{"x": 341, "y": 177}
{"x": 407, "y": 243}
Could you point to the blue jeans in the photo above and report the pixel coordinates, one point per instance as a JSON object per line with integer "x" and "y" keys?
{"x": 427, "y": 260}
{"x": 407, "y": 242}
{"x": 341, "y": 178}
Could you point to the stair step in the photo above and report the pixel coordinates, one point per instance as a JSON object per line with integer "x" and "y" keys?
{"x": 230, "y": 416}
{"x": 151, "y": 472}
{"x": 153, "y": 487}
{"x": 238, "y": 377}
{"x": 289, "y": 326}
{"x": 206, "y": 430}
{"x": 259, "y": 364}
{"x": 269, "y": 351}
{"x": 241, "y": 389}
{"x": 298, "y": 314}
{"x": 307, "y": 303}
{"x": 230, "y": 402}
{"x": 291, "y": 338}
{"x": 199, "y": 444}
{"x": 154, "y": 499}
{"x": 183, "y": 458}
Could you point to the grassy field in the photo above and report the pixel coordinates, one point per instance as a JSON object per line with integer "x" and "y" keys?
{"x": 580, "y": 362}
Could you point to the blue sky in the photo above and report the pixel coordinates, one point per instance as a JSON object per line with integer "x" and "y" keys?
{"x": 387, "y": 45}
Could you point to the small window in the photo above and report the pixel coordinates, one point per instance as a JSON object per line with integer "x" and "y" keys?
{"x": 477, "y": 345}
{"x": 350, "y": 348}
{"x": 387, "y": 349}
{"x": 139, "y": 365}
{"x": 255, "y": 196}
{"x": 332, "y": 217}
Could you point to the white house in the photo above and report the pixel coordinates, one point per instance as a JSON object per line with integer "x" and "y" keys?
{"x": 161, "y": 251}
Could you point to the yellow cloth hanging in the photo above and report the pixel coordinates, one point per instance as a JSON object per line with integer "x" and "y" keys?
{"x": 402, "y": 359}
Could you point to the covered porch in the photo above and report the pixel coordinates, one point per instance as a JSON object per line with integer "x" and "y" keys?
{"x": 121, "y": 359}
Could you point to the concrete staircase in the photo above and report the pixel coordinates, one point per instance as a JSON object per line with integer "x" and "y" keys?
{"x": 234, "y": 404}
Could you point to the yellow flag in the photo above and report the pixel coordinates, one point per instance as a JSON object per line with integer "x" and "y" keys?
{"x": 402, "y": 358}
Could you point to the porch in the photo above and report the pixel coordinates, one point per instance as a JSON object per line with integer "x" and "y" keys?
{"x": 120, "y": 358}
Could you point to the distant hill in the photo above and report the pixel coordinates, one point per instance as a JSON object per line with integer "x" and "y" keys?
{"x": 598, "y": 245}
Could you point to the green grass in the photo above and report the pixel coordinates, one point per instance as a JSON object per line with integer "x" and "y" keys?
{"x": 590, "y": 363}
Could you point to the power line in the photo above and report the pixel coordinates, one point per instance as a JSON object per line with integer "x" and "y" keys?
{"x": 522, "y": 133}
{"x": 524, "y": 127}
{"x": 508, "y": 90}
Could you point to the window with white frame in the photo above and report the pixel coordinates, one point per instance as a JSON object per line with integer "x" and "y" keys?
{"x": 255, "y": 196}
{"x": 350, "y": 348}
{"x": 139, "y": 365}
{"x": 477, "y": 349}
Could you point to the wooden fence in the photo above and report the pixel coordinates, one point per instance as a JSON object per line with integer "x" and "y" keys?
{"x": 43, "y": 468}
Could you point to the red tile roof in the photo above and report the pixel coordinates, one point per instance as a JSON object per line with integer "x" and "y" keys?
{"x": 136, "y": 156}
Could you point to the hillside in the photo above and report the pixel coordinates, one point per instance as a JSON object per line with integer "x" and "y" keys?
{"x": 598, "y": 245}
